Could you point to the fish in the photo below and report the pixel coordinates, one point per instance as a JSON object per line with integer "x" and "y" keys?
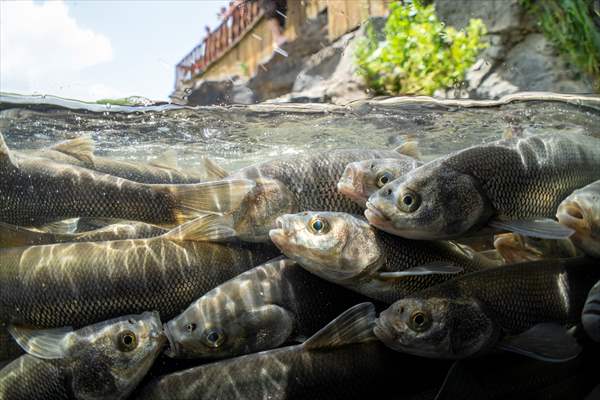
{"x": 340, "y": 361}
{"x": 346, "y": 250}
{"x": 515, "y": 248}
{"x": 522, "y": 308}
{"x": 80, "y": 152}
{"x": 590, "y": 316}
{"x": 78, "y": 284}
{"x": 511, "y": 185}
{"x": 261, "y": 309}
{"x": 363, "y": 178}
{"x": 580, "y": 211}
{"x": 14, "y": 236}
{"x": 106, "y": 360}
{"x": 35, "y": 191}
{"x": 293, "y": 184}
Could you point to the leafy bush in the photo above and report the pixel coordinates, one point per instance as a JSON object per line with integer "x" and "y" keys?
{"x": 570, "y": 26}
{"x": 419, "y": 54}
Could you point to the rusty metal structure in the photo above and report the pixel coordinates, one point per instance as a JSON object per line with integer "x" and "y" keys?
{"x": 244, "y": 40}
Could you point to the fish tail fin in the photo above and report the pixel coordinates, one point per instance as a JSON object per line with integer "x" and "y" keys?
{"x": 215, "y": 197}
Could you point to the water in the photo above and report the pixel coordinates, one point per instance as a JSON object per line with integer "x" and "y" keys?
{"x": 237, "y": 136}
{"x": 240, "y": 135}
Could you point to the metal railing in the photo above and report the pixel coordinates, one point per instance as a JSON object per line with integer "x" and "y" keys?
{"x": 217, "y": 42}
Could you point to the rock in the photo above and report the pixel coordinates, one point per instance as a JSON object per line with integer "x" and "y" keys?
{"x": 231, "y": 91}
{"x": 533, "y": 65}
{"x": 500, "y": 16}
{"x": 277, "y": 75}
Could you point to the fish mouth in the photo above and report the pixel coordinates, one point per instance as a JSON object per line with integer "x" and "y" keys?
{"x": 385, "y": 333}
{"x": 572, "y": 216}
{"x": 173, "y": 349}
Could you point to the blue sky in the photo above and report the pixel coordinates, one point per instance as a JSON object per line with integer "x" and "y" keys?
{"x": 93, "y": 49}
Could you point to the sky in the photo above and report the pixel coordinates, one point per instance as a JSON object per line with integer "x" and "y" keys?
{"x": 95, "y": 49}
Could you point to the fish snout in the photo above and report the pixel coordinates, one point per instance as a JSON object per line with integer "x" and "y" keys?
{"x": 173, "y": 349}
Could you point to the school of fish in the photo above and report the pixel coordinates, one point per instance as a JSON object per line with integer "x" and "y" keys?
{"x": 330, "y": 275}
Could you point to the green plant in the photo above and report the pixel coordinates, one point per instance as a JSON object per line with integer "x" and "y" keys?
{"x": 245, "y": 69}
{"x": 570, "y": 26}
{"x": 419, "y": 54}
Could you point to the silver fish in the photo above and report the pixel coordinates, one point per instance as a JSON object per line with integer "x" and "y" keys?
{"x": 106, "y": 360}
{"x": 522, "y": 308}
{"x": 341, "y": 361}
{"x": 510, "y": 184}
{"x": 581, "y": 212}
{"x": 261, "y": 309}
{"x": 346, "y": 250}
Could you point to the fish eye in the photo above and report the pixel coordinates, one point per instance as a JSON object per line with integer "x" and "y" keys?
{"x": 420, "y": 321}
{"x": 318, "y": 225}
{"x": 190, "y": 327}
{"x": 384, "y": 178}
{"x": 213, "y": 337}
{"x": 409, "y": 202}
{"x": 126, "y": 341}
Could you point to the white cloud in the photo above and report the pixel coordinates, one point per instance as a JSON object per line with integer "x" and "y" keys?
{"x": 43, "y": 48}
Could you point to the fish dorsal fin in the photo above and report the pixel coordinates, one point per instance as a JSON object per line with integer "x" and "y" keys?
{"x": 5, "y": 153}
{"x": 546, "y": 342}
{"x": 81, "y": 148}
{"x": 63, "y": 227}
{"x": 43, "y": 343}
{"x": 167, "y": 160}
{"x": 213, "y": 170}
{"x": 209, "y": 227}
{"x": 409, "y": 148}
{"x": 352, "y": 326}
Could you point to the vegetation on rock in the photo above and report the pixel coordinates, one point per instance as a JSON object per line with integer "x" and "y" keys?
{"x": 419, "y": 54}
{"x": 573, "y": 26}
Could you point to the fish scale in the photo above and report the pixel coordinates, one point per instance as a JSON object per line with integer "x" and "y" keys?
{"x": 529, "y": 177}
{"x": 29, "y": 377}
{"x": 521, "y": 295}
{"x": 313, "y": 178}
{"x": 78, "y": 284}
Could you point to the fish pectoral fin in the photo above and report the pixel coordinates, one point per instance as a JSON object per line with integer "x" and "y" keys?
{"x": 540, "y": 228}
{"x": 213, "y": 170}
{"x": 545, "y": 342}
{"x": 271, "y": 318}
{"x": 6, "y": 156}
{"x": 208, "y": 197}
{"x": 590, "y": 317}
{"x": 42, "y": 343}
{"x": 409, "y": 148}
{"x": 209, "y": 227}
{"x": 63, "y": 227}
{"x": 354, "y": 325}
{"x": 81, "y": 148}
{"x": 436, "y": 268}
{"x": 167, "y": 160}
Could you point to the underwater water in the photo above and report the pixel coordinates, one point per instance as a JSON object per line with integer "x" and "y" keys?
{"x": 239, "y": 136}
